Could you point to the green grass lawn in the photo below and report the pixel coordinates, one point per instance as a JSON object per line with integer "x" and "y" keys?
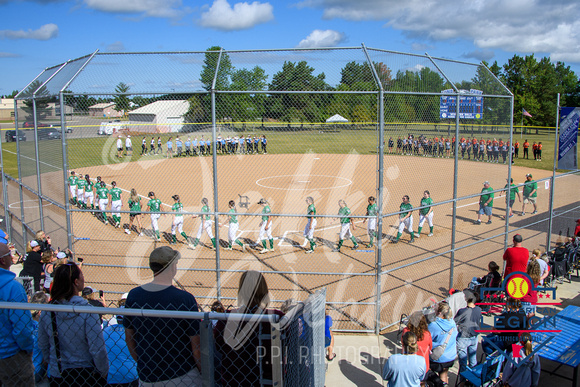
{"x": 83, "y": 152}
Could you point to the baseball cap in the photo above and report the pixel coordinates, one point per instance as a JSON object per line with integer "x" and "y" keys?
{"x": 34, "y": 244}
{"x": 262, "y": 201}
{"x": 124, "y": 296}
{"x": 162, "y": 257}
{"x": 128, "y": 136}
{"x": 486, "y": 182}
{"x": 61, "y": 255}
{"x": 88, "y": 290}
{"x": 529, "y": 175}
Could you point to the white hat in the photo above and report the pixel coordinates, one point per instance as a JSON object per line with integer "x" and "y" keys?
{"x": 34, "y": 243}
{"x": 61, "y": 255}
{"x": 124, "y": 296}
{"x": 128, "y": 136}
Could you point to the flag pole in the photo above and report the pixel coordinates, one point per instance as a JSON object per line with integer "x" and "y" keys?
{"x": 522, "y": 125}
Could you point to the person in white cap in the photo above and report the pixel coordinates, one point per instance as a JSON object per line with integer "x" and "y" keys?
{"x": 128, "y": 146}
{"x": 119, "y": 147}
{"x": 174, "y": 341}
{"x": 32, "y": 266}
{"x": 485, "y": 203}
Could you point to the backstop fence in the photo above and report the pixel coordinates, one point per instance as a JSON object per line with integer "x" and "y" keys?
{"x": 273, "y": 155}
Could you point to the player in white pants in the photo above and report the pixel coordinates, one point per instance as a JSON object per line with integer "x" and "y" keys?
{"x": 265, "y": 227}
{"x": 177, "y": 224}
{"x": 154, "y": 205}
{"x": 345, "y": 224}
{"x": 81, "y": 183}
{"x": 206, "y": 224}
{"x": 372, "y": 222}
{"x": 405, "y": 219}
{"x": 233, "y": 227}
{"x": 426, "y": 213}
{"x": 310, "y": 224}
{"x": 116, "y": 204}
{"x": 103, "y": 195}
{"x": 89, "y": 195}
{"x": 72, "y": 182}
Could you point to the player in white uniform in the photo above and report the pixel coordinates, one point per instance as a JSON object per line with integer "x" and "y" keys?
{"x": 154, "y": 205}
{"x": 426, "y": 214}
{"x": 81, "y": 184}
{"x": 265, "y": 228}
{"x": 128, "y": 146}
{"x": 116, "y": 204}
{"x": 119, "y": 147}
{"x": 372, "y": 222}
{"x": 89, "y": 194}
{"x": 345, "y": 225}
{"x": 233, "y": 227}
{"x": 177, "y": 224}
{"x": 310, "y": 224}
{"x": 72, "y": 182}
{"x": 405, "y": 219}
{"x": 103, "y": 195}
{"x": 206, "y": 223}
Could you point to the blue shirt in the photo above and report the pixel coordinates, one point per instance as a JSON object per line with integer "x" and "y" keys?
{"x": 439, "y": 330}
{"x": 404, "y": 370}
{"x": 122, "y": 367}
{"x": 15, "y": 325}
{"x": 194, "y": 143}
{"x": 187, "y": 143}
{"x": 241, "y": 140}
{"x": 3, "y": 237}
{"x": 178, "y": 143}
{"x": 169, "y": 145}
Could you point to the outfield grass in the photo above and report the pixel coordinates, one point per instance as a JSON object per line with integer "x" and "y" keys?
{"x": 83, "y": 152}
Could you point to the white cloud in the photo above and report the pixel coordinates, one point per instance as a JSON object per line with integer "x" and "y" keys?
{"x": 241, "y": 16}
{"x": 523, "y": 26}
{"x": 46, "y": 32}
{"x": 153, "y": 8}
{"x": 322, "y": 38}
{"x": 9, "y": 55}
{"x": 480, "y": 55}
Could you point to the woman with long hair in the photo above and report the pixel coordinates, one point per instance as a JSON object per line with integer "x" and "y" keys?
{"x": 407, "y": 368}
{"x": 135, "y": 208}
{"x": 444, "y": 333}
{"x": 76, "y": 354}
{"x": 244, "y": 346}
{"x": 522, "y": 375}
{"x": 418, "y": 325}
{"x": 530, "y": 300}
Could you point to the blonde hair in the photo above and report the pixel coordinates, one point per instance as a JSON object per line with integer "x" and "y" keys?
{"x": 528, "y": 348}
{"x": 534, "y": 271}
{"x": 536, "y": 253}
{"x": 39, "y": 235}
{"x": 134, "y": 196}
{"x": 410, "y": 343}
{"x": 444, "y": 309}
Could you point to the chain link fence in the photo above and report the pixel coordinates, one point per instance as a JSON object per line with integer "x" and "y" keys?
{"x": 223, "y": 130}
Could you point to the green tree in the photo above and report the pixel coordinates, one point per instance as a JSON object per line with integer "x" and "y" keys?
{"x": 122, "y": 101}
{"x": 41, "y": 97}
{"x": 208, "y": 71}
{"x": 248, "y": 107}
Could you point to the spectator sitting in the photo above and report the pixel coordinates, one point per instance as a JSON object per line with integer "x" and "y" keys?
{"x": 577, "y": 229}
{"x": 418, "y": 325}
{"x": 492, "y": 279}
{"x": 40, "y": 370}
{"x": 468, "y": 322}
{"x": 530, "y": 300}
{"x": 43, "y": 241}
{"x": 559, "y": 262}
{"x": 522, "y": 375}
{"x": 444, "y": 333}
{"x": 122, "y": 367}
{"x": 241, "y": 343}
{"x": 91, "y": 295}
{"x": 33, "y": 265}
{"x": 217, "y": 307}
{"x": 16, "y": 343}
{"x": 167, "y": 350}
{"x": 78, "y": 341}
{"x": 512, "y": 319}
{"x": 407, "y": 369}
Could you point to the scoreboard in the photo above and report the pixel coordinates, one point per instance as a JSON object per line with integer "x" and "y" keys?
{"x": 470, "y": 106}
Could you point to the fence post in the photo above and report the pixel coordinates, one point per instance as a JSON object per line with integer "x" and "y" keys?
{"x": 7, "y": 222}
{"x": 276, "y": 343}
{"x": 215, "y": 180}
{"x": 65, "y": 177}
{"x": 207, "y": 351}
{"x": 551, "y": 208}
{"x": 37, "y": 154}
{"x": 21, "y": 196}
{"x": 509, "y": 180}
{"x": 455, "y": 172}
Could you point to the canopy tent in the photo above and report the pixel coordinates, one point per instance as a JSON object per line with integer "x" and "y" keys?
{"x": 336, "y": 118}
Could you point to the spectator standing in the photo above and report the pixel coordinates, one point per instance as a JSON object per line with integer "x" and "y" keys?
{"x": 3, "y": 237}
{"x": 166, "y": 349}
{"x": 128, "y": 146}
{"x": 577, "y": 229}
{"x": 122, "y": 367}
{"x": 119, "y": 147}
{"x": 444, "y": 333}
{"x": 49, "y": 259}
{"x": 526, "y": 146}
{"x": 530, "y": 192}
{"x": 544, "y": 270}
{"x": 329, "y": 338}
{"x": 33, "y": 265}
{"x": 468, "y": 321}
{"x": 407, "y": 369}
{"x": 43, "y": 241}
{"x": 516, "y": 257}
{"x": 485, "y": 203}
{"x": 39, "y": 365}
{"x": 72, "y": 343}
{"x": 16, "y": 342}
{"x": 530, "y": 300}
{"x": 418, "y": 325}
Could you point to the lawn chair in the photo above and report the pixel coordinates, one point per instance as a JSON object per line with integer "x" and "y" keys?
{"x": 487, "y": 373}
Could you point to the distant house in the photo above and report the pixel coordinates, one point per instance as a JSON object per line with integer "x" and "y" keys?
{"x": 106, "y": 110}
{"x": 6, "y": 109}
{"x": 159, "y": 117}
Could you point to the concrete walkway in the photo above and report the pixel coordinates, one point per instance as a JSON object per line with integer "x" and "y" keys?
{"x": 360, "y": 358}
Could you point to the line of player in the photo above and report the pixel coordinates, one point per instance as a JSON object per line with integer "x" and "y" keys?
{"x": 83, "y": 192}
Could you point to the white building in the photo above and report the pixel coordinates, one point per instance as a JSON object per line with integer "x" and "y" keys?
{"x": 159, "y": 117}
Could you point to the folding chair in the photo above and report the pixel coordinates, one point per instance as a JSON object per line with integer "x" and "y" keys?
{"x": 487, "y": 373}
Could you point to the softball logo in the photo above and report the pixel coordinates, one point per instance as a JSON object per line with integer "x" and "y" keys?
{"x": 517, "y": 287}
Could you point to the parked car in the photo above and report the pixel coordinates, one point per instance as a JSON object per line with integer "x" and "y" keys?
{"x": 11, "y": 136}
{"x": 30, "y": 125}
{"x": 49, "y": 134}
{"x": 111, "y": 127}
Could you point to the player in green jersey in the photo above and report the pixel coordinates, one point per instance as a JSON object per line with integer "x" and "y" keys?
{"x": 485, "y": 203}
{"x": 233, "y": 227}
{"x": 154, "y": 205}
{"x": 89, "y": 195}
{"x": 372, "y": 210}
{"x": 135, "y": 208}
{"x": 206, "y": 223}
{"x": 116, "y": 203}
{"x": 510, "y": 198}
{"x": 72, "y": 182}
{"x": 265, "y": 227}
{"x": 405, "y": 219}
{"x": 81, "y": 185}
{"x": 177, "y": 224}
{"x": 310, "y": 224}
{"x": 426, "y": 213}
{"x": 103, "y": 196}
{"x": 345, "y": 224}
{"x": 530, "y": 193}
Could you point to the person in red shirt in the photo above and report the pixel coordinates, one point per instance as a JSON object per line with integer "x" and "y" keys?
{"x": 526, "y": 146}
{"x": 577, "y": 230}
{"x": 516, "y": 149}
{"x": 535, "y": 150}
{"x": 516, "y": 257}
{"x": 418, "y": 325}
{"x": 539, "y": 151}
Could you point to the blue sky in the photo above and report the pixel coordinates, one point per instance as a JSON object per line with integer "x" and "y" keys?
{"x": 41, "y": 33}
